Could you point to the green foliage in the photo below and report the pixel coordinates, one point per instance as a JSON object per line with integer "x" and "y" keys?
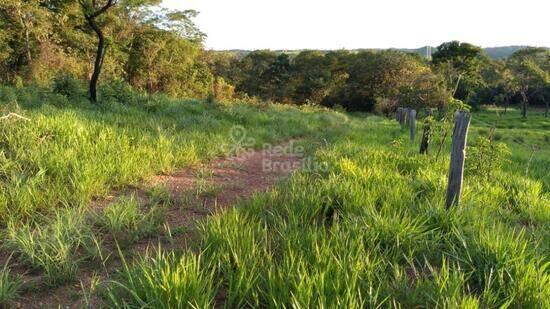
{"x": 68, "y": 86}
{"x": 485, "y": 157}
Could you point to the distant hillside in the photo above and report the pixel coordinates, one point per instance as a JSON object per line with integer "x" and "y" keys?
{"x": 502, "y": 52}
{"x": 493, "y": 52}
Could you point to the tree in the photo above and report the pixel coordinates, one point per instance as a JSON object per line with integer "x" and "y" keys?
{"x": 379, "y": 75}
{"x": 91, "y": 12}
{"x": 531, "y": 73}
{"x": 460, "y": 63}
{"x": 28, "y": 24}
{"x": 252, "y": 67}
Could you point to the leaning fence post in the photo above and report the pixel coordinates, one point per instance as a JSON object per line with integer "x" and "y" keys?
{"x": 458, "y": 153}
{"x": 412, "y": 123}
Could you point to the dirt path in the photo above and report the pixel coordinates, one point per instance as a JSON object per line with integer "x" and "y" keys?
{"x": 197, "y": 192}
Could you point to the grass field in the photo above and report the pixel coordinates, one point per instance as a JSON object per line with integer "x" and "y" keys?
{"x": 368, "y": 230}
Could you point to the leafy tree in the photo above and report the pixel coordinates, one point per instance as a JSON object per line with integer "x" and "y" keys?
{"x": 531, "y": 73}
{"x": 252, "y": 67}
{"x": 28, "y": 26}
{"x": 379, "y": 75}
{"x": 460, "y": 63}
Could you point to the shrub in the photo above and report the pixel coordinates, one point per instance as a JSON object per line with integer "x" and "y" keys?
{"x": 385, "y": 106}
{"x": 68, "y": 86}
{"x": 484, "y": 157}
{"x": 8, "y": 95}
{"x": 222, "y": 91}
{"x": 121, "y": 92}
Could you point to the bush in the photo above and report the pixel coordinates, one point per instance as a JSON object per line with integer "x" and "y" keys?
{"x": 7, "y": 95}
{"x": 484, "y": 157}
{"x": 68, "y": 86}
{"x": 121, "y": 92}
{"x": 385, "y": 106}
{"x": 223, "y": 91}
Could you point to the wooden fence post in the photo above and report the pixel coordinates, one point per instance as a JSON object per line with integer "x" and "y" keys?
{"x": 412, "y": 123}
{"x": 458, "y": 152}
{"x": 426, "y": 134}
{"x": 401, "y": 116}
{"x": 397, "y": 114}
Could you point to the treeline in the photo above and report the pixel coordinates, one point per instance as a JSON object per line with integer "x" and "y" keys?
{"x": 382, "y": 80}
{"x": 149, "y": 48}
{"x": 51, "y": 42}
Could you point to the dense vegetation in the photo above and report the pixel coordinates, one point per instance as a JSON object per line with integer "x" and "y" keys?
{"x": 157, "y": 50}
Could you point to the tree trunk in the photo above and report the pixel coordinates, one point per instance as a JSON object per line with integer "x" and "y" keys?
{"x": 506, "y": 104}
{"x": 28, "y": 52}
{"x": 546, "y": 103}
{"x": 524, "y": 105}
{"x": 100, "y": 53}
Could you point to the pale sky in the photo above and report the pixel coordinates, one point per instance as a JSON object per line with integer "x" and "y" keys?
{"x": 324, "y": 24}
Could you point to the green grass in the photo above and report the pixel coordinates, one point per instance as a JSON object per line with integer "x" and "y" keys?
{"x": 528, "y": 139}
{"x": 127, "y": 222}
{"x": 372, "y": 231}
{"x": 53, "y": 245}
{"x": 366, "y": 226}
{"x": 71, "y": 152}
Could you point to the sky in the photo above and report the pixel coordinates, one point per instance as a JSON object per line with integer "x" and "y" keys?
{"x": 323, "y": 24}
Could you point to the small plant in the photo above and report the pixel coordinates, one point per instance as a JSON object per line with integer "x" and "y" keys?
{"x": 485, "y": 156}
{"x": 163, "y": 281}
{"x": 9, "y": 287}
{"x": 126, "y": 222}
{"x": 160, "y": 195}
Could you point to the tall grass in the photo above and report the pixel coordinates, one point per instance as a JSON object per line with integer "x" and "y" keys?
{"x": 70, "y": 152}
{"x": 163, "y": 280}
{"x": 127, "y": 222}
